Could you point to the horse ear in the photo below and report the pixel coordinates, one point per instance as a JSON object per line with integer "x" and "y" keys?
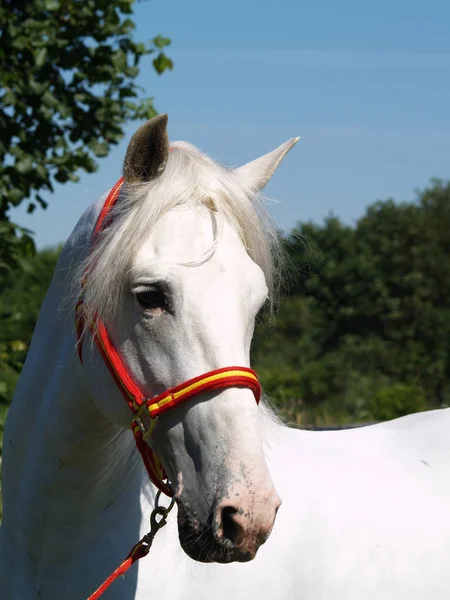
{"x": 147, "y": 152}
{"x": 257, "y": 173}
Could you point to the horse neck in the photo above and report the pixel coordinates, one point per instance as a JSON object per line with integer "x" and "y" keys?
{"x": 69, "y": 475}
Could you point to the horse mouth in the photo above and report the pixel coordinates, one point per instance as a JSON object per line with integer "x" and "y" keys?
{"x": 200, "y": 543}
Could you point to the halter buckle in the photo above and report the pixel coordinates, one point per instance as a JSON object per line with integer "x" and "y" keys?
{"x": 145, "y": 422}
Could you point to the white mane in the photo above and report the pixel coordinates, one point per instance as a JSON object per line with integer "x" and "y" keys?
{"x": 189, "y": 177}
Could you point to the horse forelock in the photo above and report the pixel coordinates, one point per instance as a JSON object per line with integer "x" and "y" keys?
{"x": 190, "y": 177}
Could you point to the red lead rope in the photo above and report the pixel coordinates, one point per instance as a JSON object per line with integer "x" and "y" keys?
{"x": 139, "y": 551}
{"x": 146, "y": 410}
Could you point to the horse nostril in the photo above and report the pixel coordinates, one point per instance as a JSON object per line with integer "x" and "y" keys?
{"x": 230, "y": 526}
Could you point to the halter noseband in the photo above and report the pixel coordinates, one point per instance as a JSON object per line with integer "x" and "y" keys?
{"x": 146, "y": 410}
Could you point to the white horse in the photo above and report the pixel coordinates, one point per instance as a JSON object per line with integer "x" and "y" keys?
{"x": 178, "y": 275}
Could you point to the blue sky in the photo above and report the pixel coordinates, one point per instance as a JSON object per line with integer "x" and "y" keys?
{"x": 366, "y": 85}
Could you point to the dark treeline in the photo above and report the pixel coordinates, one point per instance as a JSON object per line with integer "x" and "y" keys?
{"x": 364, "y": 332}
{"x": 363, "y": 328}
{"x": 21, "y": 295}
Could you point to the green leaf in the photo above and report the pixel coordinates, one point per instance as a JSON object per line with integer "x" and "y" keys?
{"x": 99, "y": 148}
{"x": 15, "y": 195}
{"x": 161, "y": 63}
{"x": 40, "y": 56}
{"x": 25, "y": 165}
{"x": 8, "y": 98}
{"x": 140, "y": 48}
{"x": 120, "y": 60}
{"x": 161, "y": 42}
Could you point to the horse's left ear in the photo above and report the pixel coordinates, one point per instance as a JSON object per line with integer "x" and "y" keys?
{"x": 147, "y": 152}
{"x": 257, "y": 173}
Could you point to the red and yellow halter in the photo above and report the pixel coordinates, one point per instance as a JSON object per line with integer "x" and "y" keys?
{"x": 146, "y": 410}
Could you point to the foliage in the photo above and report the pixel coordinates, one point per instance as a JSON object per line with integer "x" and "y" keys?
{"x": 67, "y": 86}
{"x": 20, "y": 302}
{"x": 397, "y": 401}
{"x": 367, "y": 309}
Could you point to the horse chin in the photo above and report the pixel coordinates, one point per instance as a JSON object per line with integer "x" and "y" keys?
{"x": 214, "y": 555}
{"x": 212, "y": 552}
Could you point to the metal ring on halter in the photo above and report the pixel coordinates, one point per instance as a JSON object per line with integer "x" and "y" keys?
{"x": 163, "y": 508}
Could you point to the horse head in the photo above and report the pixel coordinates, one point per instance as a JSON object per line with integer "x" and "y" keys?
{"x": 178, "y": 276}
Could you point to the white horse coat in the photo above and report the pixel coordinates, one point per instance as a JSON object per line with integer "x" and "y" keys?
{"x": 365, "y": 513}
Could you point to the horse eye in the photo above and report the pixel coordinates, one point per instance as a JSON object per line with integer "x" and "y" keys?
{"x": 153, "y": 300}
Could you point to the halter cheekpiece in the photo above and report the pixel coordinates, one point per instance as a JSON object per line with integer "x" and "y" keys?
{"x": 146, "y": 410}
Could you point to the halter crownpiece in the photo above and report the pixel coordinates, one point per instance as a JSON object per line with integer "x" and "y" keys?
{"x": 146, "y": 410}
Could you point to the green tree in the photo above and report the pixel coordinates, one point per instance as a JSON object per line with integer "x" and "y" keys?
{"x": 68, "y": 73}
{"x": 20, "y": 302}
{"x": 397, "y": 401}
{"x": 377, "y": 316}
{"x": 407, "y": 300}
